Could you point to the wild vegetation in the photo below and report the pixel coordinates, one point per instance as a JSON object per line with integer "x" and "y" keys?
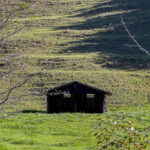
{"x": 124, "y": 129}
{"x": 86, "y": 41}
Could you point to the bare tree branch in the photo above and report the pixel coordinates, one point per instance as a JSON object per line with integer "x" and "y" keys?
{"x": 13, "y": 74}
{"x": 3, "y": 75}
{"x": 130, "y": 45}
{"x": 10, "y": 10}
{"x": 133, "y": 39}
{"x": 13, "y": 33}
{"x": 15, "y": 87}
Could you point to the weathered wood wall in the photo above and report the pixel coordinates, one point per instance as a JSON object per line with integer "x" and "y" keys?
{"x": 77, "y": 103}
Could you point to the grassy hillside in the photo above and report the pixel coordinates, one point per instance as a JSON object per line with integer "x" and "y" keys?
{"x": 82, "y": 40}
{"x": 85, "y": 40}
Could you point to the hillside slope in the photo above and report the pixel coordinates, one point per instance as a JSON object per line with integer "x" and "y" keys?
{"x": 85, "y": 40}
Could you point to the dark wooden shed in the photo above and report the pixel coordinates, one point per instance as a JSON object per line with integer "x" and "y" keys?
{"x": 76, "y": 97}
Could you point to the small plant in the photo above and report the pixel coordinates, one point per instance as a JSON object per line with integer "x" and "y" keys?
{"x": 121, "y": 135}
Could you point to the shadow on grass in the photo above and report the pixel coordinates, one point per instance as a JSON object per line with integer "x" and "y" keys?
{"x": 108, "y": 37}
{"x": 33, "y": 111}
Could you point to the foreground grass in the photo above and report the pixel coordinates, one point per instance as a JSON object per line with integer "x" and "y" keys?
{"x": 121, "y": 128}
{"x": 48, "y": 132}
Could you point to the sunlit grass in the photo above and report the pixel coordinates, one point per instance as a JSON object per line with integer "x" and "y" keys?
{"x": 43, "y": 131}
{"x": 85, "y": 41}
{"x": 41, "y": 18}
{"x": 75, "y": 131}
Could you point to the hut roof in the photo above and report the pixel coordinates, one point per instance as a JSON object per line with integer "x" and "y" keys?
{"x": 77, "y": 87}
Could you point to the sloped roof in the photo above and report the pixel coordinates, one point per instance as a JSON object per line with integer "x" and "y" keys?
{"x": 77, "y": 87}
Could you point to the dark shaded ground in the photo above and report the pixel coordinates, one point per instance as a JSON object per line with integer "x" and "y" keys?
{"x": 32, "y": 111}
{"x": 112, "y": 42}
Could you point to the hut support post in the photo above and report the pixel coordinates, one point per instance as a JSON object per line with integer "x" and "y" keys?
{"x": 100, "y": 98}
{"x": 75, "y": 105}
{"x": 74, "y": 97}
{"x": 102, "y": 104}
{"x": 48, "y": 104}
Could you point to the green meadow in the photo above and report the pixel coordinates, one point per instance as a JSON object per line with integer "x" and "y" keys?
{"x": 123, "y": 128}
{"x": 49, "y": 132}
{"x": 82, "y": 40}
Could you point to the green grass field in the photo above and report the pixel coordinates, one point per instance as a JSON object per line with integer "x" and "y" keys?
{"x": 81, "y": 40}
{"x": 48, "y": 132}
{"x": 123, "y": 128}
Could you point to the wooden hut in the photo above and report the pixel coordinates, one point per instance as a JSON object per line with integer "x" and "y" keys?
{"x": 76, "y": 97}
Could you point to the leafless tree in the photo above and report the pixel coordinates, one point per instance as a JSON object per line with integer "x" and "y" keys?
{"x": 147, "y": 52}
{"x": 133, "y": 39}
{"x": 12, "y": 66}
